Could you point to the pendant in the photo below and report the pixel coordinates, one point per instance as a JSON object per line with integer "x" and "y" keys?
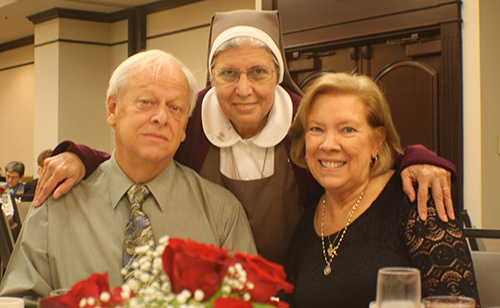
{"x": 327, "y": 270}
{"x": 332, "y": 251}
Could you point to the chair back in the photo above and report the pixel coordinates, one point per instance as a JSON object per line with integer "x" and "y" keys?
{"x": 487, "y": 270}
{"x": 23, "y": 208}
{"x": 6, "y": 242}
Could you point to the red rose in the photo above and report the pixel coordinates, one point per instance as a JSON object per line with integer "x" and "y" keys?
{"x": 51, "y": 302}
{"x": 231, "y": 302}
{"x": 116, "y": 297}
{"x": 195, "y": 266}
{"x": 268, "y": 278}
{"x": 91, "y": 287}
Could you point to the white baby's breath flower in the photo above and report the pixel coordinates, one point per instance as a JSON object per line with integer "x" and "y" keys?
{"x": 199, "y": 295}
{"x": 83, "y": 302}
{"x": 181, "y": 298}
{"x": 145, "y": 267}
{"x": 186, "y": 293}
{"x": 133, "y": 284}
{"x": 242, "y": 279}
{"x": 91, "y": 301}
{"x": 231, "y": 270}
{"x": 135, "y": 264}
{"x": 145, "y": 277}
{"x": 123, "y": 271}
{"x": 143, "y": 260}
{"x": 160, "y": 250}
{"x": 155, "y": 285}
{"x": 148, "y": 298}
{"x": 238, "y": 267}
{"x": 125, "y": 289}
{"x": 247, "y": 296}
{"x": 158, "y": 263}
{"x": 104, "y": 297}
{"x": 170, "y": 297}
{"x": 166, "y": 287}
{"x": 233, "y": 284}
{"x": 250, "y": 285}
{"x": 137, "y": 275}
{"x": 226, "y": 290}
{"x": 142, "y": 249}
{"x": 133, "y": 302}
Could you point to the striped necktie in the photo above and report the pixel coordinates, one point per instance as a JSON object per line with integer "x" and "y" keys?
{"x": 138, "y": 231}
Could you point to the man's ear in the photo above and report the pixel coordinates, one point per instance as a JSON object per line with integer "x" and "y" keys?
{"x": 111, "y": 111}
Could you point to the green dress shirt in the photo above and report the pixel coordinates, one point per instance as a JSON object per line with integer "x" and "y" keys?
{"x": 68, "y": 239}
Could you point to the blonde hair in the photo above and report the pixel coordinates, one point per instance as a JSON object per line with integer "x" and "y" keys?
{"x": 377, "y": 112}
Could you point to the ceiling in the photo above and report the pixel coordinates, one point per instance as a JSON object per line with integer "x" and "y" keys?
{"x": 14, "y": 23}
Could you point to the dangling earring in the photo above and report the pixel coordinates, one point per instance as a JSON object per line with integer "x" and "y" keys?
{"x": 374, "y": 160}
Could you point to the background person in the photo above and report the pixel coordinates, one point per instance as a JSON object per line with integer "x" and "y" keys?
{"x": 344, "y": 134}
{"x": 237, "y": 136}
{"x": 30, "y": 187}
{"x": 149, "y": 99}
{"x": 14, "y": 172}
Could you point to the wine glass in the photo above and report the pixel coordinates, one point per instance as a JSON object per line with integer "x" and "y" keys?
{"x": 398, "y": 287}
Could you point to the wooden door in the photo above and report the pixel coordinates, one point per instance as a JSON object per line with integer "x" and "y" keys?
{"x": 407, "y": 73}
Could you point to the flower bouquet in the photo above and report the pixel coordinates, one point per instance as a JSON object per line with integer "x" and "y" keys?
{"x": 184, "y": 273}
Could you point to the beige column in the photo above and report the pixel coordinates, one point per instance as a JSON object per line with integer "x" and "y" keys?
{"x": 73, "y": 62}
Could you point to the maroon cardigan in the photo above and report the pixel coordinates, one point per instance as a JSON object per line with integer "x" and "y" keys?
{"x": 193, "y": 151}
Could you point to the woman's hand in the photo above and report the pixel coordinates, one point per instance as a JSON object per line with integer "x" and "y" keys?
{"x": 436, "y": 178}
{"x": 63, "y": 171}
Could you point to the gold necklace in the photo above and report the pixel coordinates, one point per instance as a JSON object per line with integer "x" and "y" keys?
{"x": 332, "y": 251}
{"x": 235, "y": 170}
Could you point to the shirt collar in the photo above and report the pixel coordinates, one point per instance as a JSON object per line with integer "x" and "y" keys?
{"x": 221, "y": 133}
{"x": 119, "y": 183}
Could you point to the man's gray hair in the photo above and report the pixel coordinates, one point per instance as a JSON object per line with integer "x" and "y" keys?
{"x": 154, "y": 60}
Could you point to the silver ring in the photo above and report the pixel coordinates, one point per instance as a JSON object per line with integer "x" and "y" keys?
{"x": 445, "y": 188}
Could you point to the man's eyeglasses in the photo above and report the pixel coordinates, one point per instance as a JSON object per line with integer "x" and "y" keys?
{"x": 256, "y": 75}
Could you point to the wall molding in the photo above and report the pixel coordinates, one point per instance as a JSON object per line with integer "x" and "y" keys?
{"x": 29, "y": 40}
{"x": 136, "y": 26}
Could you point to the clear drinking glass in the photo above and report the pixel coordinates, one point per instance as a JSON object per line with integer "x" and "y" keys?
{"x": 11, "y": 302}
{"x": 58, "y": 292}
{"x": 449, "y": 302}
{"x": 398, "y": 287}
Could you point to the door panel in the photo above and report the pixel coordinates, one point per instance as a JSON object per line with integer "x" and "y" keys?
{"x": 410, "y": 83}
{"x": 411, "y": 91}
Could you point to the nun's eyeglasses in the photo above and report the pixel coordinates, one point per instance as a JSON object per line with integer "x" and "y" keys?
{"x": 255, "y": 75}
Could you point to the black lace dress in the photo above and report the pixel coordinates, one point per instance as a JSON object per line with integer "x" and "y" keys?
{"x": 389, "y": 233}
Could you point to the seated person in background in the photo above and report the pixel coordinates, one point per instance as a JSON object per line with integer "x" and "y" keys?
{"x": 95, "y": 227}
{"x": 237, "y": 136}
{"x": 344, "y": 134}
{"x": 14, "y": 172}
{"x": 30, "y": 187}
